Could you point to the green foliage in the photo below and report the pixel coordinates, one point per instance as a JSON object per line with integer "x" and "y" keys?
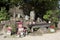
{"x": 48, "y": 4}
{"x": 16, "y": 2}
{"x": 46, "y": 17}
{"x": 3, "y": 14}
{"x": 55, "y": 19}
{"x": 41, "y": 5}
{"x": 48, "y": 14}
{"x": 52, "y": 15}
{"x": 59, "y": 14}
{"x": 13, "y": 27}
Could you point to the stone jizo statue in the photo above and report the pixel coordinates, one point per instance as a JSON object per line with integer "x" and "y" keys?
{"x": 32, "y": 15}
{"x": 26, "y": 17}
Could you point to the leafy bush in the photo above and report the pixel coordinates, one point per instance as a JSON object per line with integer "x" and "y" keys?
{"x": 3, "y": 14}
{"x": 13, "y": 27}
{"x": 51, "y": 15}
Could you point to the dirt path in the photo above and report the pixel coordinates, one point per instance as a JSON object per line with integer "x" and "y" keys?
{"x": 52, "y": 36}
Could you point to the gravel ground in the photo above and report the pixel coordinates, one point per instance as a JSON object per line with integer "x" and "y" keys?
{"x": 51, "y": 36}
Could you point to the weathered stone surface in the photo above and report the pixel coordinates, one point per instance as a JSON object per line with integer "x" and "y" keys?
{"x": 32, "y": 15}
{"x": 26, "y": 17}
{"x": 59, "y": 24}
{"x": 16, "y": 11}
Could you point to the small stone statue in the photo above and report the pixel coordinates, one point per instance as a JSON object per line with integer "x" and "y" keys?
{"x": 32, "y": 15}
{"x": 39, "y": 20}
{"x": 9, "y": 31}
{"x": 26, "y": 17}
